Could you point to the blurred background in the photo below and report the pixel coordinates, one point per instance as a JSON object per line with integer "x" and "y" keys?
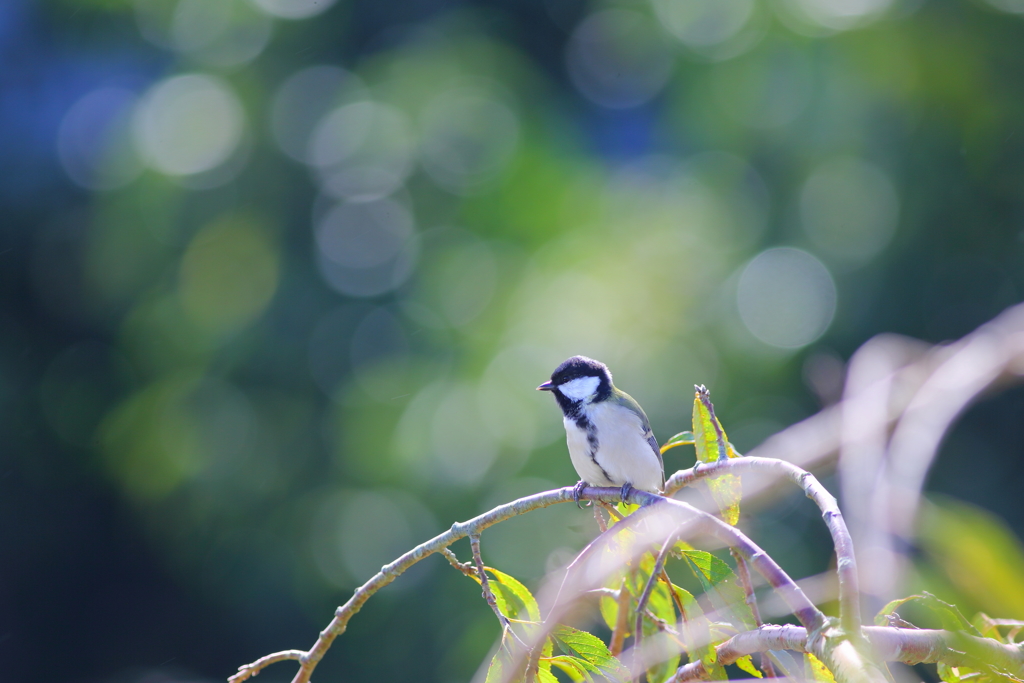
{"x": 278, "y": 279}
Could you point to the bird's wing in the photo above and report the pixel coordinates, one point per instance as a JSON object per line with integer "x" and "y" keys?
{"x": 627, "y": 401}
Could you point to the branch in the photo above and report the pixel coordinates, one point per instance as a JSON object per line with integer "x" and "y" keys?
{"x": 485, "y": 585}
{"x": 743, "y": 576}
{"x": 794, "y": 597}
{"x": 849, "y": 601}
{"x": 663, "y": 517}
{"x": 910, "y": 646}
{"x": 247, "y": 670}
{"x": 792, "y": 594}
{"x": 641, "y": 602}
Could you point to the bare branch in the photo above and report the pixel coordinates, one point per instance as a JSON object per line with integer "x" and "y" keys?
{"x": 463, "y": 567}
{"x": 485, "y": 585}
{"x": 918, "y": 646}
{"x": 247, "y": 670}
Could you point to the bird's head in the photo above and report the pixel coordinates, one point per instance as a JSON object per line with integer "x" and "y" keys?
{"x": 579, "y": 380}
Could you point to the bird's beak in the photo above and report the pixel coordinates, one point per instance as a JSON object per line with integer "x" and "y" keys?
{"x": 547, "y": 386}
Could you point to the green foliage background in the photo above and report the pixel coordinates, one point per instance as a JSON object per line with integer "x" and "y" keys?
{"x": 208, "y": 441}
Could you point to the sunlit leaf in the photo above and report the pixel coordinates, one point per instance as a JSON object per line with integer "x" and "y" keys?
{"x": 727, "y": 491}
{"x": 988, "y": 628}
{"x": 949, "y": 615}
{"x": 661, "y": 606}
{"x": 979, "y": 553}
{"x": 496, "y": 670}
{"x": 626, "y": 509}
{"x": 696, "y": 631}
{"x": 609, "y": 607}
{"x": 720, "y": 583}
{"x": 947, "y": 673}
{"x": 816, "y": 670}
{"x": 514, "y": 599}
{"x": 576, "y": 669}
{"x": 680, "y": 439}
{"x": 544, "y": 674}
{"x": 712, "y": 445}
{"x": 591, "y": 650}
{"x": 746, "y": 663}
{"x": 660, "y": 601}
{"x": 709, "y": 437}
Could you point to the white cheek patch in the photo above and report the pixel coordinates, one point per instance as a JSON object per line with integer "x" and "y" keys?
{"x": 580, "y": 388}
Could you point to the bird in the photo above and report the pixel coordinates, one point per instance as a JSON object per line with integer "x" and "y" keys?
{"x": 609, "y": 437}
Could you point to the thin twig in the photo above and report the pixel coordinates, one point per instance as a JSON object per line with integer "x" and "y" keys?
{"x": 247, "y": 670}
{"x": 621, "y": 619}
{"x": 641, "y": 603}
{"x": 743, "y": 575}
{"x": 485, "y": 585}
{"x": 463, "y": 567}
{"x": 602, "y": 524}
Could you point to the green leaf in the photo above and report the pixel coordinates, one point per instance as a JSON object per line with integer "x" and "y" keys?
{"x": 680, "y": 439}
{"x": 712, "y": 445}
{"x": 574, "y": 668}
{"x": 721, "y": 585}
{"x": 726, "y": 491}
{"x": 514, "y": 599}
{"x": 708, "y": 436}
{"x": 609, "y": 610}
{"x": 746, "y": 663}
{"x": 947, "y": 673}
{"x": 816, "y": 670}
{"x": 494, "y": 668}
{"x": 591, "y": 651}
{"x": 499, "y": 662}
{"x": 661, "y": 605}
{"x": 987, "y": 628}
{"x": 949, "y": 616}
{"x": 545, "y": 676}
{"x": 696, "y": 631}
{"x": 660, "y": 601}
{"x": 626, "y": 509}
{"x": 977, "y": 552}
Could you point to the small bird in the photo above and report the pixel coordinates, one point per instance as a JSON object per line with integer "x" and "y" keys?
{"x": 610, "y": 440}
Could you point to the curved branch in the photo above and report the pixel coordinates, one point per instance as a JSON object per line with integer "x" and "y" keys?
{"x": 890, "y": 644}
{"x": 794, "y": 597}
{"x": 803, "y": 609}
{"x": 664, "y": 517}
{"x": 248, "y": 670}
{"x": 849, "y": 592}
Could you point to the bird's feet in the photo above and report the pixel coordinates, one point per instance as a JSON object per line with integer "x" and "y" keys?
{"x": 577, "y": 491}
{"x": 627, "y": 488}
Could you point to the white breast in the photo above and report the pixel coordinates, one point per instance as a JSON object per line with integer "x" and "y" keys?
{"x": 623, "y": 454}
